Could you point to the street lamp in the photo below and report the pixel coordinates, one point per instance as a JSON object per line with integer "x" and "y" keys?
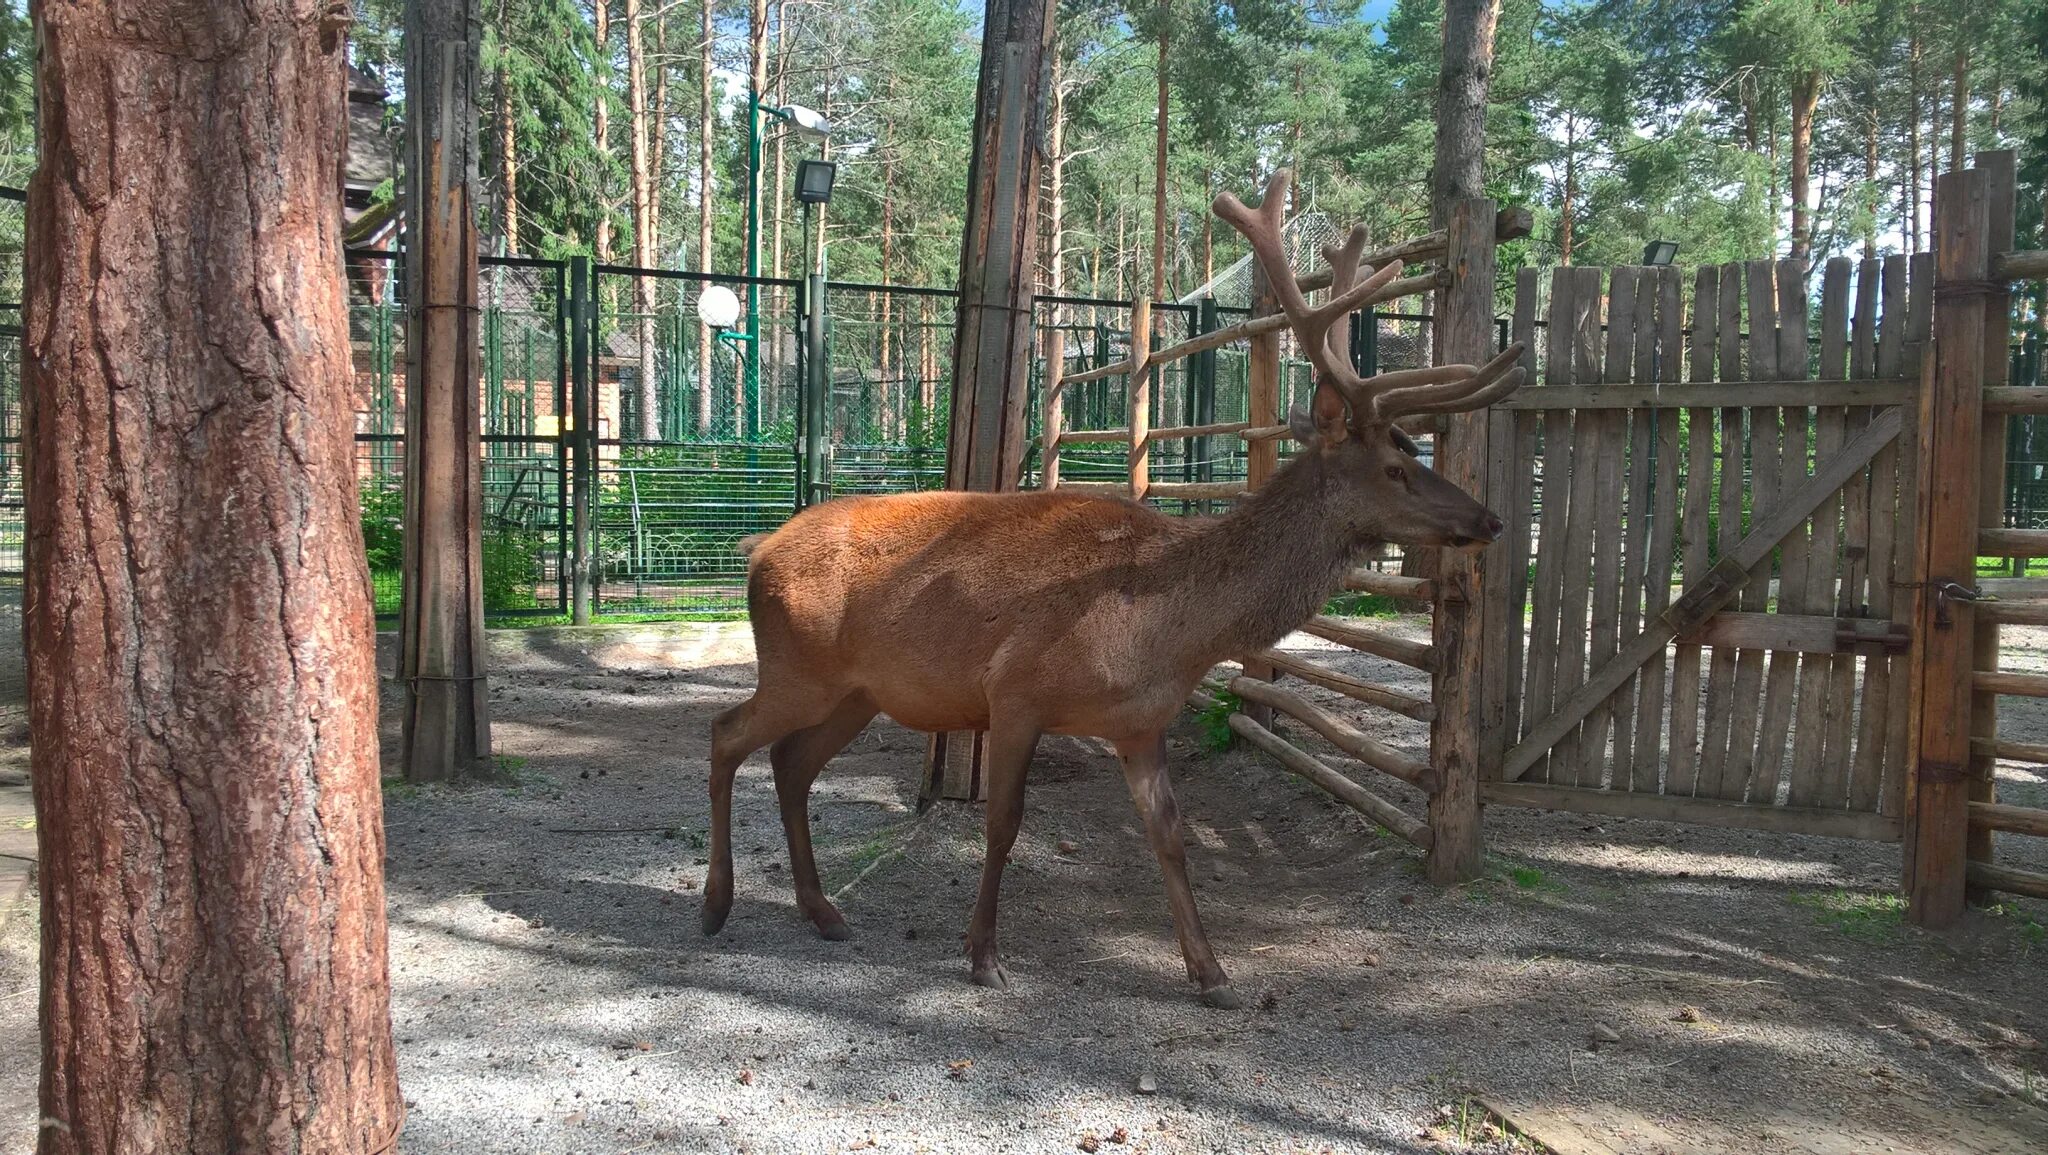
{"x": 807, "y": 122}
{"x": 1660, "y": 252}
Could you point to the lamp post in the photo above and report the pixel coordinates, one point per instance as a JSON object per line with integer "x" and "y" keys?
{"x": 812, "y": 124}
{"x": 814, "y": 187}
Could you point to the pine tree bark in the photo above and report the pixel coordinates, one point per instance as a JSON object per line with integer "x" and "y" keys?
{"x": 1870, "y": 176}
{"x": 601, "y": 128}
{"x": 202, "y": 689}
{"x": 1568, "y": 209}
{"x": 1913, "y": 185}
{"x": 707, "y": 127}
{"x": 1158, "y": 284}
{"x": 1959, "y": 105}
{"x": 1462, "y": 86}
{"x": 1805, "y": 97}
{"x": 508, "y": 158}
{"x": 641, "y": 178}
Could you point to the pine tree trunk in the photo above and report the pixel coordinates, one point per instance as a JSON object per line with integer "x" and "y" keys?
{"x": 641, "y": 178}
{"x": 1805, "y": 96}
{"x": 887, "y": 317}
{"x": 1959, "y": 107}
{"x": 508, "y": 162}
{"x": 1567, "y": 212}
{"x": 202, "y": 690}
{"x": 774, "y": 355}
{"x": 1870, "y": 177}
{"x": 707, "y": 127}
{"x": 601, "y": 129}
{"x": 1913, "y": 185}
{"x": 757, "y": 82}
{"x": 657, "y": 135}
{"x": 1158, "y": 288}
{"x": 1462, "y": 87}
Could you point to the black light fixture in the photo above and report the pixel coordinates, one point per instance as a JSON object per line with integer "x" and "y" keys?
{"x": 1660, "y": 252}
{"x": 814, "y": 181}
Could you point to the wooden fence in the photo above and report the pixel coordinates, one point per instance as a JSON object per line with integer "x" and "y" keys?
{"x": 1738, "y": 587}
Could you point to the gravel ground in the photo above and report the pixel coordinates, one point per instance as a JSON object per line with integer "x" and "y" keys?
{"x": 1698, "y": 990}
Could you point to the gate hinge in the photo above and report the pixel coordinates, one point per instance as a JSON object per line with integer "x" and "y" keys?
{"x": 1871, "y": 637}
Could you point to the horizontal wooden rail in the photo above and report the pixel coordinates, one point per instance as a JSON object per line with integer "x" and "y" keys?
{"x": 1372, "y": 581}
{"x": 2022, "y": 265}
{"x": 2015, "y": 399}
{"x": 1339, "y": 733}
{"x": 1508, "y": 224}
{"x": 1711, "y": 395}
{"x": 2008, "y": 879}
{"x": 2014, "y": 613}
{"x": 1796, "y": 633}
{"x": 1197, "y": 490}
{"x": 1099, "y": 488}
{"x": 1265, "y": 432}
{"x": 1371, "y": 693}
{"x": 1343, "y": 789}
{"x": 1695, "y": 811}
{"x": 1176, "y": 432}
{"x": 1113, "y": 369}
{"x": 2013, "y": 588}
{"x": 1420, "y": 655}
{"x": 1088, "y": 436}
{"x": 2010, "y": 751}
{"x": 2012, "y": 543}
{"x": 2017, "y": 819}
{"x": 2017, "y": 685}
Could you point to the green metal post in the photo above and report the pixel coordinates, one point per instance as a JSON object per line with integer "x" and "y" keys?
{"x": 582, "y": 436}
{"x": 751, "y": 390}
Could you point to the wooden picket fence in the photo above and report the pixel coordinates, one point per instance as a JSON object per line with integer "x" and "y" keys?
{"x": 1738, "y": 587}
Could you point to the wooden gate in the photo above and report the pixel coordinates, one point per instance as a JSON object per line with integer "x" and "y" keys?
{"x": 1702, "y": 620}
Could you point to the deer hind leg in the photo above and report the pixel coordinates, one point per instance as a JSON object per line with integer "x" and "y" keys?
{"x": 735, "y": 734}
{"x": 1009, "y": 758}
{"x": 798, "y": 758}
{"x": 1144, "y": 763}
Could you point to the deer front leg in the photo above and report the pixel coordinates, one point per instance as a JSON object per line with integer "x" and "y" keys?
{"x": 1009, "y": 758}
{"x": 1144, "y": 764}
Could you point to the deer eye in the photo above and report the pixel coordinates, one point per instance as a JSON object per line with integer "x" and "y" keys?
{"x": 1396, "y": 473}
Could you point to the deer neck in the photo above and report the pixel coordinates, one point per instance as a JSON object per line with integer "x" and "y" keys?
{"x": 1276, "y": 559}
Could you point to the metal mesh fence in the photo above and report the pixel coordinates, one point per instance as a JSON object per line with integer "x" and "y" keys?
{"x": 12, "y": 529}
{"x": 524, "y": 400}
{"x": 889, "y": 388}
{"x": 697, "y": 435}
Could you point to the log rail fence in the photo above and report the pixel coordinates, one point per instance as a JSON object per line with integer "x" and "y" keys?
{"x": 1739, "y": 585}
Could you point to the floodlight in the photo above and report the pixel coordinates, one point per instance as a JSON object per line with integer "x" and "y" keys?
{"x": 814, "y": 181}
{"x": 1660, "y": 252}
{"x": 808, "y": 121}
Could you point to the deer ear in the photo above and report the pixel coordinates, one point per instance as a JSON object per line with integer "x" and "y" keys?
{"x": 1301, "y": 425}
{"x": 1331, "y": 413}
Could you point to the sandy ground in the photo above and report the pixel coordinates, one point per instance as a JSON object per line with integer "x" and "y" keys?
{"x": 1685, "y": 989}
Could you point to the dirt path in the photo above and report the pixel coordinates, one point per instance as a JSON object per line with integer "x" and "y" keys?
{"x": 552, "y": 992}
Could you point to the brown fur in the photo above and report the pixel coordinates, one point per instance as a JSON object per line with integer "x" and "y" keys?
{"x": 1030, "y": 613}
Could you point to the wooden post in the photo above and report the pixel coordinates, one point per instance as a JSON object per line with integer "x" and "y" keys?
{"x": 2000, "y": 191}
{"x": 447, "y": 728}
{"x": 1465, "y": 333}
{"x": 1139, "y": 393}
{"x": 1054, "y": 417}
{"x": 1944, "y": 628}
{"x": 1262, "y": 458}
{"x": 998, "y": 259}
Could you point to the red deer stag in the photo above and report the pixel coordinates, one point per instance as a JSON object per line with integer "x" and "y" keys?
{"x": 1023, "y": 614}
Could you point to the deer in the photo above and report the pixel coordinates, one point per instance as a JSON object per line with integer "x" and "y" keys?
{"x": 1021, "y": 614}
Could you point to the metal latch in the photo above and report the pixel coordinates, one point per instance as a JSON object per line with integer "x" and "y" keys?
{"x": 1951, "y": 591}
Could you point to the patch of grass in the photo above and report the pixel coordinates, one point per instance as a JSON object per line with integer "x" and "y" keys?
{"x": 1214, "y": 722}
{"x": 398, "y": 789}
{"x": 1526, "y": 877}
{"x": 1362, "y": 606}
{"x": 2030, "y": 932}
{"x": 1865, "y": 916}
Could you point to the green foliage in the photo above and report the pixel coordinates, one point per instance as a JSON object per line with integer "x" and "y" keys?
{"x": 1214, "y": 722}
{"x": 511, "y": 555}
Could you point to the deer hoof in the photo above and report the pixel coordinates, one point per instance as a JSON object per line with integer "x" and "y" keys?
{"x": 834, "y": 931}
{"x": 992, "y": 977}
{"x": 1223, "y": 997}
{"x": 714, "y": 915}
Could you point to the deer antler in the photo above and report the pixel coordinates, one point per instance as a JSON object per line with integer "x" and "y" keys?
{"x": 1325, "y": 333}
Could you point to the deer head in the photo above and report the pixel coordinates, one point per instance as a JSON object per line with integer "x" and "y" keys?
{"x": 1352, "y": 423}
